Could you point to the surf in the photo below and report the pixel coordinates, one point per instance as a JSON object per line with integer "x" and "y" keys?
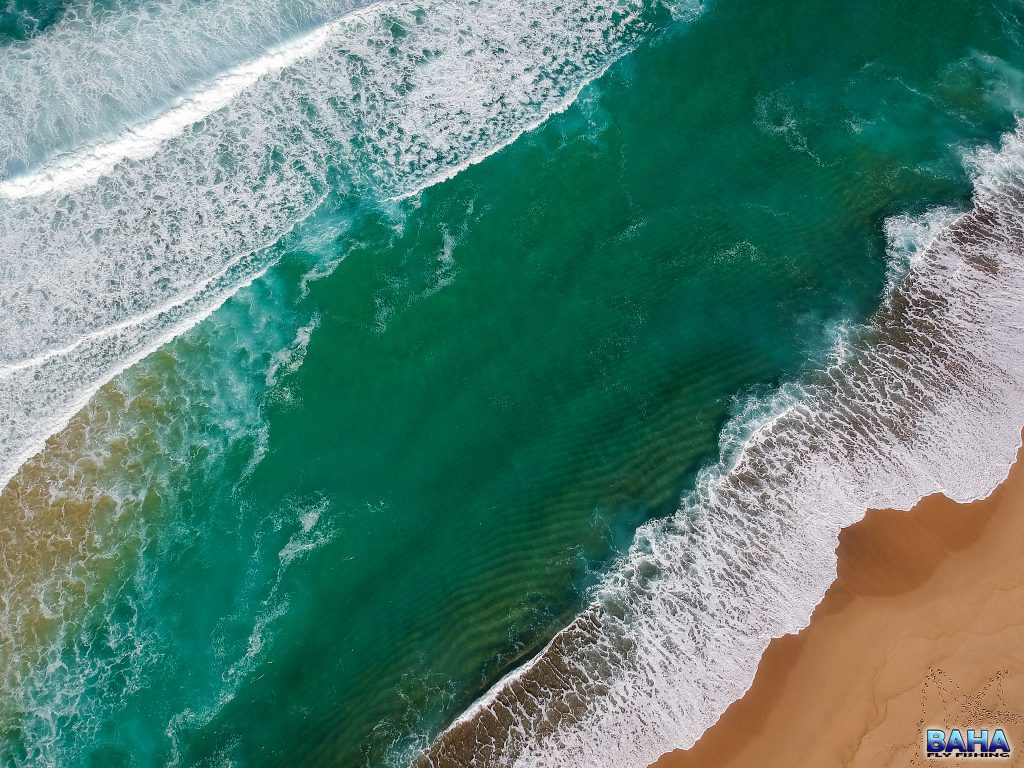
{"x": 114, "y": 247}
{"x": 926, "y": 398}
{"x": 85, "y": 166}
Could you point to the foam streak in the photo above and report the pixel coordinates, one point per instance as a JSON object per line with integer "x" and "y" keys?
{"x": 929, "y": 399}
{"x": 86, "y": 166}
{"x": 123, "y": 243}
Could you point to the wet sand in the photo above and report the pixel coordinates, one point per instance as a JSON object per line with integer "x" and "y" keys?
{"x": 924, "y": 626}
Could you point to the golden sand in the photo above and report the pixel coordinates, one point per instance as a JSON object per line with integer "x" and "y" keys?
{"x": 924, "y": 626}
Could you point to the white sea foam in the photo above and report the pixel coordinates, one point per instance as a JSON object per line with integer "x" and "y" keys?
{"x": 289, "y": 359}
{"x": 82, "y": 547}
{"x": 931, "y": 399}
{"x": 108, "y": 251}
{"x": 85, "y": 166}
{"x": 78, "y": 520}
{"x": 92, "y": 75}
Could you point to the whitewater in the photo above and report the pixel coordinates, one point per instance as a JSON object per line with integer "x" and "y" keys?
{"x": 150, "y": 167}
{"x": 925, "y": 399}
{"x": 152, "y": 164}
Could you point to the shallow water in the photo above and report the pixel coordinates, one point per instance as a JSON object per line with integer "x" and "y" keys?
{"x": 314, "y": 528}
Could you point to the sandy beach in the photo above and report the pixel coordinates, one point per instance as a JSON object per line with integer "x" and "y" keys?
{"x": 924, "y": 626}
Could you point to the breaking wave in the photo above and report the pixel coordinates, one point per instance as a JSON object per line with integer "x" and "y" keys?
{"x": 143, "y": 188}
{"x": 929, "y": 398}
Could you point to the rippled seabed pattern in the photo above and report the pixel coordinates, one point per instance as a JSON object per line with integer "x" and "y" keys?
{"x": 458, "y": 392}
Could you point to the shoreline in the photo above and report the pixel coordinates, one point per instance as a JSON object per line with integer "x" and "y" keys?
{"x": 923, "y": 626}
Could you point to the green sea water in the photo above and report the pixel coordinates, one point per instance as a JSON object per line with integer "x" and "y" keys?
{"x": 315, "y": 528}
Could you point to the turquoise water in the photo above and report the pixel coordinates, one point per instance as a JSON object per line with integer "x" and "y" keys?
{"x": 318, "y": 525}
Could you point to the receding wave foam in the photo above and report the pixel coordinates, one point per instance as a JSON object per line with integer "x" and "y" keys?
{"x": 930, "y": 398}
{"x": 390, "y": 99}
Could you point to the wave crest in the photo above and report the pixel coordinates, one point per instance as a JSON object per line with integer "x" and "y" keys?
{"x": 390, "y": 100}
{"x": 931, "y": 399}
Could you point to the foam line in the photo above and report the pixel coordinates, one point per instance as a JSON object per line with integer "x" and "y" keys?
{"x": 450, "y": 173}
{"x": 85, "y": 166}
{"x": 174, "y": 321}
{"x": 93, "y": 79}
{"x": 114, "y": 244}
{"x": 928, "y": 399}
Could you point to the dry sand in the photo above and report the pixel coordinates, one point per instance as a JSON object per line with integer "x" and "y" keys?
{"x": 924, "y": 626}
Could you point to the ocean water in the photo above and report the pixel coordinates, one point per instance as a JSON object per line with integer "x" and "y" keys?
{"x": 475, "y": 383}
